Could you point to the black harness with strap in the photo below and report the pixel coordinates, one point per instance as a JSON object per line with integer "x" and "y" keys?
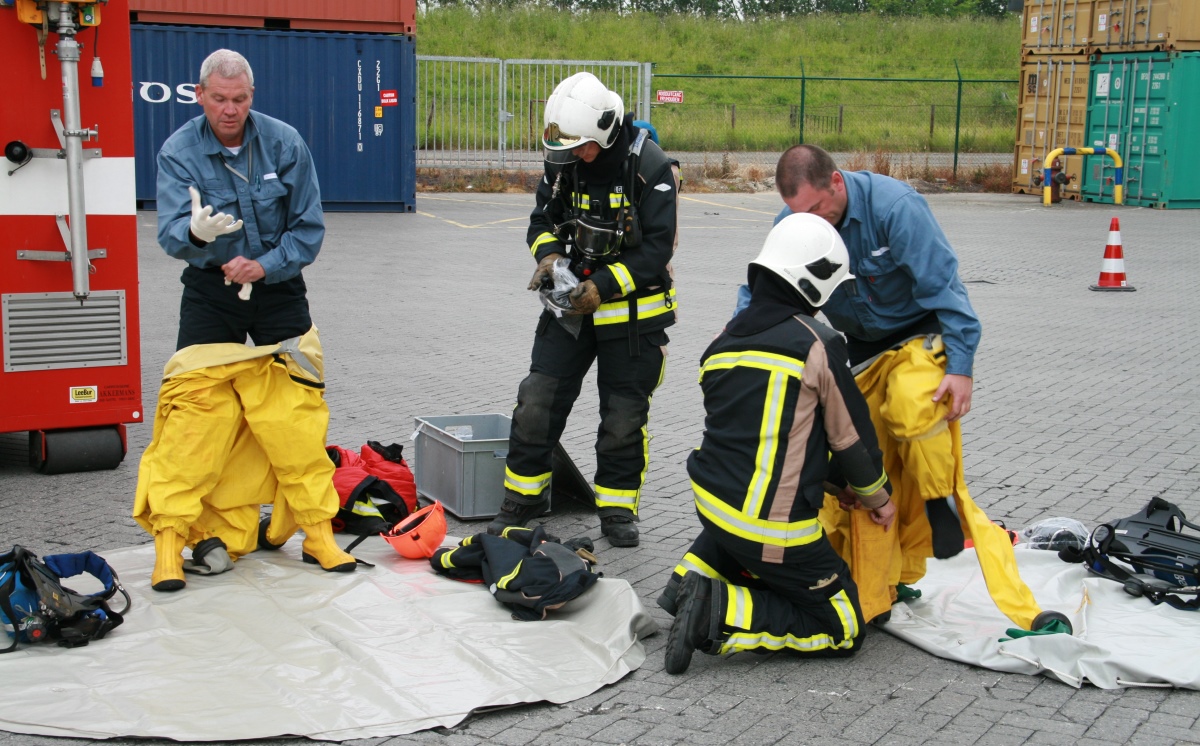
{"x": 1165, "y": 561}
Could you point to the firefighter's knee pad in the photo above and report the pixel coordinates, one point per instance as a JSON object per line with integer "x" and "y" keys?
{"x": 622, "y": 424}
{"x": 535, "y": 399}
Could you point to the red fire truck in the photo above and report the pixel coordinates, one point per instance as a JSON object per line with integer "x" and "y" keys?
{"x": 71, "y": 372}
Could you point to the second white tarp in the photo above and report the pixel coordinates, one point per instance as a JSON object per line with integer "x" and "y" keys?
{"x": 1118, "y": 640}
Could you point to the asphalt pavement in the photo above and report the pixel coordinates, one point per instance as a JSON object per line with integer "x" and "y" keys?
{"x": 1086, "y": 405}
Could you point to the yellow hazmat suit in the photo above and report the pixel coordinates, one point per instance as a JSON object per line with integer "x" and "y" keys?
{"x": 922, "y": 454}
{"x": 237, "y": 427}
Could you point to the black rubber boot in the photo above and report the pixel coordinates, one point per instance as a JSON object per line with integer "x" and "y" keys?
{"x": 513, "y": 512}
{"x": 620, "y": 530}
{"x": 947, "y": 531}
{"x": 263, "y": 542}
{"x": 692, "y": 621}
{"x": 668, "y": 599}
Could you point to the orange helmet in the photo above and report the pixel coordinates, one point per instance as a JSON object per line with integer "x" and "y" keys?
{"x": 419, "y": 535}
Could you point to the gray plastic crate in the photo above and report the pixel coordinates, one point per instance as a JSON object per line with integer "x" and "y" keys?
{"x": 465, "y": 472}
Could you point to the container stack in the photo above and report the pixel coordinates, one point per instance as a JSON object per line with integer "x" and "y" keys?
{"x": 1113, "y": 74}
{"x": 342, "y": 74}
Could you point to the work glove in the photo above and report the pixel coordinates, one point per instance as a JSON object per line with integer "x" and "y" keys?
{"x": 585, "y": 298}
{"x": 205, "y": 225}
{"x": 544, "y": 271}
{"x": 244, "y": 292}
{"x": 1054, "y": 627}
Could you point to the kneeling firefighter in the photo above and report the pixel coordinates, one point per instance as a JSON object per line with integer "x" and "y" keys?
{"x": 783, "y": 418}
{"x": 606, "y": 213}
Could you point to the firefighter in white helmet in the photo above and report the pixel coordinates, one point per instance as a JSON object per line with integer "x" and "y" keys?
{"x": 607, "y": 208}
{"x": 783, "y": 418}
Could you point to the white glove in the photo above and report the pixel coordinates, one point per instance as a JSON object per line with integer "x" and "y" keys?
{"x": 205, "y": 225}
{"x": 244, "y": 293}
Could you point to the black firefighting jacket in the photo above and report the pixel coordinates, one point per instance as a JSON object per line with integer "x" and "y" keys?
{"x": 635, "y": 285}
{"x": 527, "y": 570}
{"x": 778, "y": 403}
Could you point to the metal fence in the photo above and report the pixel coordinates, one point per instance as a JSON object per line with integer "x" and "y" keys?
{"x": 486, "y": 113}
{"x": 476, "y": 112}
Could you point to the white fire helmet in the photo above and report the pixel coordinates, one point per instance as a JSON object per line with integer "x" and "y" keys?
{"x": 579, "y": 111}
{"x": 808, "y": 254}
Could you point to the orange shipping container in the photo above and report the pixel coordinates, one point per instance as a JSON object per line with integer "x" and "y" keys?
{"x": 1145, "y": 25}
{"x": 1057, "y": 26}
{"x": 362, "y": 16}
{"x": 1053, "y": 112}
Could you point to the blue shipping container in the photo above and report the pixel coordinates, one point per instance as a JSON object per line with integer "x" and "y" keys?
{"x": 351, "y": 96}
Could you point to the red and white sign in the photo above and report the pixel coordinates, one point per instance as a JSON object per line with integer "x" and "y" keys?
{"x": 388, "y": 98}
{"x": 670, "y": 97}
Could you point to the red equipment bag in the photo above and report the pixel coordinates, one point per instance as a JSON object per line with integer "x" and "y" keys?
{"x": 368, "y": 503}
{"x": 387, "y": 463}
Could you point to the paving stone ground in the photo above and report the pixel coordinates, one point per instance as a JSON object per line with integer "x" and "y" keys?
{"x": 1086, "y": 405}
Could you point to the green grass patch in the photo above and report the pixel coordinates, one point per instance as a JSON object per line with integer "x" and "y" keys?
{"x": 831, "y": 109}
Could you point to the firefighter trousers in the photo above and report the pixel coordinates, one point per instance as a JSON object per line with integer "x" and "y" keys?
{"x": 626, "y": 383}
{"x": 807, "y": 603}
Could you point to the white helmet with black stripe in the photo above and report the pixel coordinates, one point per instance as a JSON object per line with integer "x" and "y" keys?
{"x": 807, "y": 252}
{"x": 580, "y": 110}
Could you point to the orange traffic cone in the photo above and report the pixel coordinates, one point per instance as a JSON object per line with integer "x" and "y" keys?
{"x": 1112, "y": 272}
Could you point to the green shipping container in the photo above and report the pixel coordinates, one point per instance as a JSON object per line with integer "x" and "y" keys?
{"x": 1146, "y": 107}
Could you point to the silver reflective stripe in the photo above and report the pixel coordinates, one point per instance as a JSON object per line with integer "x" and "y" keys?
{"x": 740, "y": 602}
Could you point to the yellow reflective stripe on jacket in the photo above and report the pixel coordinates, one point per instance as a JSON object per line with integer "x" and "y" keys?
{"x": 615, "y": 200}
{"x": 445, "y": 559}
{"x": 695, "y": 564}
{"x": 871, "y": 488}
{"x": 768, "y": 444}
{"x": 544, "y": 238}
{"x": 617, "y": 311}
{"x": 753, "y": 359}
{"x": 526, "y": 485}
{"x": 623, "y": 277}
{"x": 504, "y": 581}
{"x": 774, "y": 533}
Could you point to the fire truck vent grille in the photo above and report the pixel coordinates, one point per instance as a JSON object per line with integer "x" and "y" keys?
{"x": 54, "y": 330}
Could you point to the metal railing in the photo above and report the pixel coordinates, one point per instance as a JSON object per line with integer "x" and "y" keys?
{"x": 486, "y": 113}
{"x": 477, "y": 112}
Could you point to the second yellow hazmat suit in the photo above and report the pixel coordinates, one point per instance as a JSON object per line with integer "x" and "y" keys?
{"x": 912, "y": 430}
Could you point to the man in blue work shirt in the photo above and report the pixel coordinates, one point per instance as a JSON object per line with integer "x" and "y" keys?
{"x": 911, "y": 335}
{"x": 238, "y": 200}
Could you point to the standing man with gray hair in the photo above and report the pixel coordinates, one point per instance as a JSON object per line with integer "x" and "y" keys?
{"x": 238, "y": 201}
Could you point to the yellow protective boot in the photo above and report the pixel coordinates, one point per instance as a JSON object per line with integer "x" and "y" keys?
{"x": 320, "y": 548}
{"x": 168, "y": 561}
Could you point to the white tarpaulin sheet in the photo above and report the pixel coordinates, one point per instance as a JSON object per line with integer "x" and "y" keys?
{"x": 277, "y": 647}
{"x": 1118, "y": 640}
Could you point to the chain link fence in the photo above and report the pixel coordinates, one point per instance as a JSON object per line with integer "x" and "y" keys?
{"x": 486, "y": 113}
{"x": 948, "y": 123}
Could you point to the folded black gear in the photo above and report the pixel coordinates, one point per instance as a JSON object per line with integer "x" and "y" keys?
{"x": 526, "y": 570}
